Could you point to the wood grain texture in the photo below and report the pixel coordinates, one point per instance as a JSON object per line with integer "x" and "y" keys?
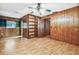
{"x": 2, "y": 32}
{"x": 36, "y": 46}
{"x": 31, "y": 30}
{"x": 8, "y": 18}
{"x": 65, "y": 26}
{"x": 40, "y": 27}
{"x": 7, "y": 32}
{"x": 12, "y": 32}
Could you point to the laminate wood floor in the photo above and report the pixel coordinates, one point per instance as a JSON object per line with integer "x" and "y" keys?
{"x": 36, "y": 46}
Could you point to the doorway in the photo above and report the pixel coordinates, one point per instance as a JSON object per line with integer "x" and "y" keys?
{"x": 47, "y": 27}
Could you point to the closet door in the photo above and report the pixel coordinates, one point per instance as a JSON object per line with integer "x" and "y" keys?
{"x": 40, "y": 27}
{"x": 47, "y": 27}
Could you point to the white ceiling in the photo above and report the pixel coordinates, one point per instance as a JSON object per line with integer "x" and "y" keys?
{"x": 18, "y": 10}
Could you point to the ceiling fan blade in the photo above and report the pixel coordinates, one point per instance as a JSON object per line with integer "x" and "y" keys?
{"x": 30, "y": 7}
{"x": 48, "y": 10}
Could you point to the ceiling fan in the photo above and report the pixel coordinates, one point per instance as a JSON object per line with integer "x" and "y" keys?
{"x": 38, "y": 8}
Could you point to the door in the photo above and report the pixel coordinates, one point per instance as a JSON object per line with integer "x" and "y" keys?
{"x": 47, "y": 27}
{"x": 40, "y": 27}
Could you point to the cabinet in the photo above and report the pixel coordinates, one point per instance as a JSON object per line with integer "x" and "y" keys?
{"x": 30, "y": 26}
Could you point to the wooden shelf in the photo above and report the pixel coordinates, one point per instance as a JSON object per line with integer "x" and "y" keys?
{"x": 32, "y": 24}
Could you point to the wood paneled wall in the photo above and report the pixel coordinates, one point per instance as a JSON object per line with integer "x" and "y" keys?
{"x": 65, "y": 25}
{"x": 2, "y": 32}
{"x": 8, "y": 18}
{"x": 7, "y": 32}
{"x": 12, "y": 32}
